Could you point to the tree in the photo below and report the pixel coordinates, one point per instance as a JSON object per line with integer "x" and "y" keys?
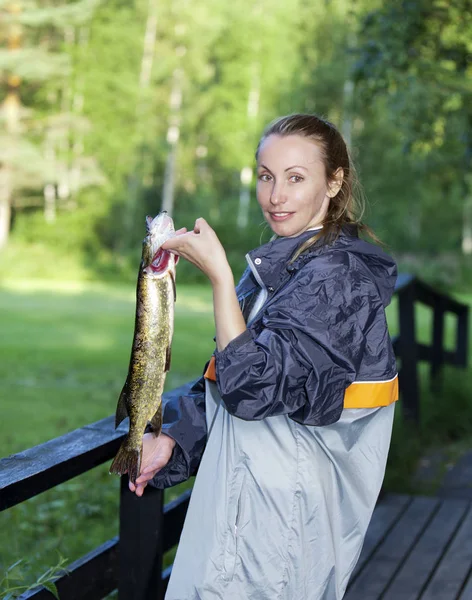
{"x": 31, "y": 61}
{"x": 415, "y": 57}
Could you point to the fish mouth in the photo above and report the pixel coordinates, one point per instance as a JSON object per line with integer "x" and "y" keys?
{"x": 160, "y": 262}
{"x": 155, "y": 260}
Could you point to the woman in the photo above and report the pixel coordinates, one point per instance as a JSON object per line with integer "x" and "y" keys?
{"x": 291, "y": 424}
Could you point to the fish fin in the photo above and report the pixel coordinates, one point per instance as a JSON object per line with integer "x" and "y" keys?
{"x": 173, "y": 285}
{"x": 121, "y": 410}
{"x": 168, "y": 357}
{"x": 156, "y": 421}
{"x": 127, "y": 460}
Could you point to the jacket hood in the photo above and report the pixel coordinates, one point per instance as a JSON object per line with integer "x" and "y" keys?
{"x": 381, "y": 266}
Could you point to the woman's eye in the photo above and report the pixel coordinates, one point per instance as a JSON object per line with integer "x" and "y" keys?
{"x": 296, "y": 178}
{"x": 264, "y": 177}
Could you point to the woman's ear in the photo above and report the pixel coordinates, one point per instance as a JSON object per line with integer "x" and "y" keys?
{"x": 335, "y": 184}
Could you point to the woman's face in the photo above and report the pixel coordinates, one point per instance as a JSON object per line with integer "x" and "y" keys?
{"x": 291, "y": 184}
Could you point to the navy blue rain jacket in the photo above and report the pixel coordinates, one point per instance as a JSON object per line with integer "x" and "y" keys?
{"x": 322, "y": 326}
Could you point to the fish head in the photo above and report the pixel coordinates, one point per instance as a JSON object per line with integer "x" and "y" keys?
{"x": 157, "y": 262}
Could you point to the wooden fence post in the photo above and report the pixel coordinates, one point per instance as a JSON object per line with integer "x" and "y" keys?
{"x": 140, "y": 545}
{"x": 437, "y": 346}
{"x": 408, "y": 353}
{"x": 462, "y": 337}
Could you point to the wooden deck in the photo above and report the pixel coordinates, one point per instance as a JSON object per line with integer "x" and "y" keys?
{"x": 416, "y": 548}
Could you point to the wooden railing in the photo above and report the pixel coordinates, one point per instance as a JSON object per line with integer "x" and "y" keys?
{"x": 411, "y": 292}
{"x": 132, "y": 562}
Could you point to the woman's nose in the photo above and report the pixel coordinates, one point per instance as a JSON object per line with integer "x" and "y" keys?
{"x": 278, "y": 195}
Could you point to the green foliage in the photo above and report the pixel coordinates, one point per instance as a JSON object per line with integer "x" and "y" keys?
{"x": 12, "y": 586}
{"x": 392, "y": 75}
{"x": 413, "y": 73}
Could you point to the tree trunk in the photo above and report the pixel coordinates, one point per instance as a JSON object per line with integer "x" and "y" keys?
{"x": 467, "y": 226}
{"x": 147, "y": 59}
{"x": 11, "y": 112}
{"x": 148, "y": 45}
{"x": 244, "y": 198}
{"x": 246, "y": 172}
{"x": 346, "y": 126}
{"x": 49, "y": 190}
{"x": 77, "y": 140}
{"x": 5, "y": 205}
{"x": 173, "y": 134}
{"x": 467, "y": 184}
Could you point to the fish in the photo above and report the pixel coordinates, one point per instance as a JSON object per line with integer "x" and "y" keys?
{"x": 141, "y": 396}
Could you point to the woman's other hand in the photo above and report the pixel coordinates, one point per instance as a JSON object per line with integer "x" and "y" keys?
{"x": 156, "y": 454}
{"x": 202, "y": 248}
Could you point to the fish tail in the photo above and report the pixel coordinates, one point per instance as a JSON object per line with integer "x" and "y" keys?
{"x": 127, "y": 460}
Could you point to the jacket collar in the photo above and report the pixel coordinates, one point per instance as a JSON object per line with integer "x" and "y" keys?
{"x": 269, "y": 262}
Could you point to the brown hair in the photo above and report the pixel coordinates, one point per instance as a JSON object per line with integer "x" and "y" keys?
{"x": 347, "y": 207}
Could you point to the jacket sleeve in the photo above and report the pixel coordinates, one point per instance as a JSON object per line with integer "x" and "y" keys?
{"x": 184, "y": 420}
{"x": 306, "y": 349}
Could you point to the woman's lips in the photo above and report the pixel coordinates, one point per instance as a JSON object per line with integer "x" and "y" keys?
{"x": 280, "y": 216}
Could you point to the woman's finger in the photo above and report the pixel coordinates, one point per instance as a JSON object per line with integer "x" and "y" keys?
{"x": 176, "y": 242}
{"x": 200, "y": 225}
{"x": 140, "y": 489}
{"x": 145, "y": 476}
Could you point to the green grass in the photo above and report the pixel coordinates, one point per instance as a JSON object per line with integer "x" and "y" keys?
{"x": 64, "y": 355}
{"x": 65, "y": 351}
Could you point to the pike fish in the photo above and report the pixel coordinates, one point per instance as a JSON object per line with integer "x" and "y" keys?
{"x": 141, "y": 396}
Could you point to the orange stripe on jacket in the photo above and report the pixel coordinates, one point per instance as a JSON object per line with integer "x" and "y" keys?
{"x": 365, "y": 394}
{"x": 210, "y": 372}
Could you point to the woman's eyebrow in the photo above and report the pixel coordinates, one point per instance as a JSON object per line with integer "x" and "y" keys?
{"x": 288, "y": 168}
{"x": 296, "y": 167}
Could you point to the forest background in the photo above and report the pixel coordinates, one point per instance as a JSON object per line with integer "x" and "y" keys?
{"x": 114, "y": 110}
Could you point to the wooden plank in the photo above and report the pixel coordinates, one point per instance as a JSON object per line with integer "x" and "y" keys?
{"x": 389, "y": 556}
{"x": 42, "y": 467}
{"x": 408, "y": 351}
{"x": 174, "y": 517}
{"x": 428, "y": 295}
{"x": 457, "y": 482}
{"x": 91, "y": 577}
{"x": 140, "y": 551}
{"x": 420, "y": 564}
{"x": 454, "y": 567}
{"x": 386, "y": 513}
{"x": 462, "y": 341}
{"x": 437, "y": 358}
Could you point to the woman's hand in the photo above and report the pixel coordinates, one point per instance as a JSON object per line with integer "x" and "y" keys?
{"x": 156, "y": 454}
{"x": 202, "y": 248}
